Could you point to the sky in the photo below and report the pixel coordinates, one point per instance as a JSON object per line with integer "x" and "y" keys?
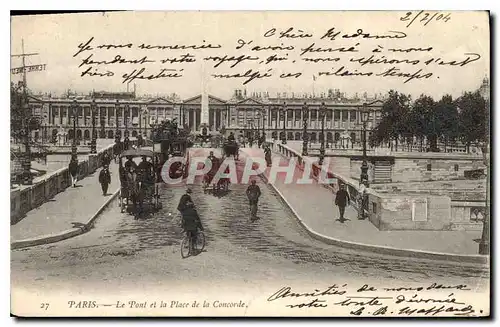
{"x": 56, "y": 38}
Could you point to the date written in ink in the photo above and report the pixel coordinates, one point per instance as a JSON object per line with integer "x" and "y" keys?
{"x": 44, "y": 306}
{"x": 424, "y": 18}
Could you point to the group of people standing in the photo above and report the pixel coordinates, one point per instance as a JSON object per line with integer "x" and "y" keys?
{"x": 250, "y": 139}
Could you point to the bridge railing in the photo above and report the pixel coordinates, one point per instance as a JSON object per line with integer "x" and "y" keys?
{"x": 352, "y": 185}
{"x": 46, "y": 187}
{"x": 396, "y": 211}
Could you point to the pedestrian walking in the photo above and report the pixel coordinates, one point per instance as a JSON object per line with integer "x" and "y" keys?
{"x": 342, "y": 200}
{"x": 104, "y": 179}
{"x": 73, "y": 171}
{"x": 106, "y": 159}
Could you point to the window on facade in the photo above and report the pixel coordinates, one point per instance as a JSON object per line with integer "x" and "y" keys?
{"x": 344, "y": 115}
{"x": 353, "y": 115}
{"x": 456, "y": 167}
{"x": 337, "y": 115}
{"x": 329, "y": 115}
{"x": 429, "y": 167}
{"x": 314, "y": 114}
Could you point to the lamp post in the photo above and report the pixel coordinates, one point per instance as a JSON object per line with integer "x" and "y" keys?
{"x": 74, "y": 112}
{"x": 26, "y": 162}
{"x": 264, "y": 114}
{"x": 103, "y": 123}
{"x": 140, "y": 121}
{"x": 93, "y": 142}
{"x": 322, "y": 113}
{"x": 117, "y": 107}
{"x": 305, "y": 137}
{"x": 257, "y": 114}
{"x": 283, "y": 113}
{"x": 364, "y": 165}
{"x": 125, "y": 120}
{"x": 484, "y": 244}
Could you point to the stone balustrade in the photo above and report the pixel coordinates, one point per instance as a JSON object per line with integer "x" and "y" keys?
{"x": 400, "y": 211}
{"x": 27, "y": 198}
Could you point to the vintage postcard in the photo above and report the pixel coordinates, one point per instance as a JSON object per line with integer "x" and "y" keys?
{"x": 260, "y": 163}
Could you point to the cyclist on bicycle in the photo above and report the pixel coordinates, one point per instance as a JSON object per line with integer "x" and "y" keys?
{"x": 185, "y": 198}
{"x": 253, "y": 194}
{"x": 191, "y": 223}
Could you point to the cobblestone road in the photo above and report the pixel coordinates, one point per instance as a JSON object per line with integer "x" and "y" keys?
{"x": 132, "y": 252}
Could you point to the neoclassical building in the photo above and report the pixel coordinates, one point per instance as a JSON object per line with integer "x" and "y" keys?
{"x": 117, "y": 113}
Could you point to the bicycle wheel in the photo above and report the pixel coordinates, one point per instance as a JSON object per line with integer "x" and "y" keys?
{"x": 185, "y": 247}
{"x": 200, "y": 242}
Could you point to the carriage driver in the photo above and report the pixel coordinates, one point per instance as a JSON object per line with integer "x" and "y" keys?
{"x": 230, "y": 138}
{"x": 146, "y": 169}
{"x": 130, "y": 163}
{"x": 212, "y": 158}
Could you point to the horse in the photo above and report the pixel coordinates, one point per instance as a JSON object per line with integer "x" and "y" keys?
{"x": 231, "y": 149}
{"x": 117, "y": 149}
{"x": 133, "y": 186}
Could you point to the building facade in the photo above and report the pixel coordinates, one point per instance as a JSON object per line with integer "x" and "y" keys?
{"x": 119, "y": 113}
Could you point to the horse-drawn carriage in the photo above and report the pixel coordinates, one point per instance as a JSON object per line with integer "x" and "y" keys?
{"x": 174, "y": 142}
{"x": 221, "y": 183}
{"x": 231, "y": 148}
{"x": 138, "y": 187}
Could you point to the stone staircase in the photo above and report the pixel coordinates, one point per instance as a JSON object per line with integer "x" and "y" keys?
{"x": 382, "y": 172}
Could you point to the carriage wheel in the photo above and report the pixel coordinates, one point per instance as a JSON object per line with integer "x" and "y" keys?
{"x": 121, "y": 204}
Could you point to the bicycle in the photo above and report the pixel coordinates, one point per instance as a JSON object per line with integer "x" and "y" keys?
{"x": 199, "y": 244}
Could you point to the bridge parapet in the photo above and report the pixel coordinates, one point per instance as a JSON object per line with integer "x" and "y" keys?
{"x": 44, "y": 188}
{"x": 391, "y": 211}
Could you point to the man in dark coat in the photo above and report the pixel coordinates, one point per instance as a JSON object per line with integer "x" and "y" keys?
{"x": 145, "y": 169}
{"x": 261, "y": 140}
{"x": 253, "y": 195}
{"x": 191, "y": 222}
{"x": 73, "y": 171}
{"x": 342, "y": 200}
{"x": 267, "y": 155}
{"x": 106, "y": 159}
{"x": 126, "y": 143}
{"x": 105, "y": 180}
{"x": 230, "y": 138}
{"x": 130, "y": 163}
{"x": 185, "y": 198}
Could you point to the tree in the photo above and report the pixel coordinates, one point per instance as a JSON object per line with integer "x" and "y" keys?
{"x": 394, "y": 114}
{"x": 447, "y": 116}
{"x": 17, "y": 116}
{"x": 425, "y": 120}
{"x": 473, "y": 118}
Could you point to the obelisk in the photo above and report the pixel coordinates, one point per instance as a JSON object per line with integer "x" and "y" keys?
{"x": 204, "y": 98}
